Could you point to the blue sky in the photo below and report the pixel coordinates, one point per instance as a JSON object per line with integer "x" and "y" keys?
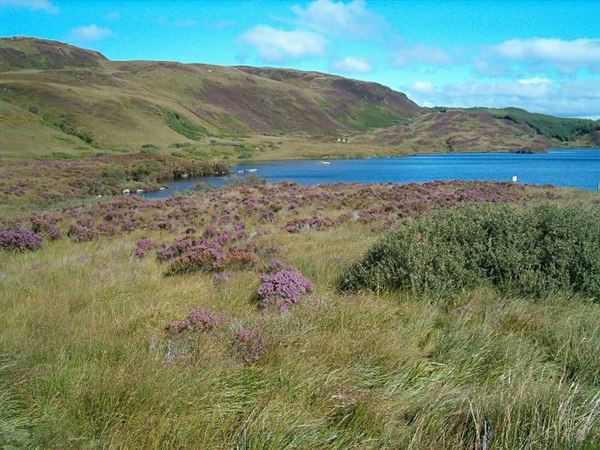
{"x": 540, "y": 55}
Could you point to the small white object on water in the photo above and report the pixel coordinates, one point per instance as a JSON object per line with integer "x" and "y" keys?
{"x": 252, "y": 170}
{"x": 515, "y": 179}
{"x": 163, "y": 188}
{"x": 126, "y": 191}
{"x": 139, "y": 191}
{"x": 325, "y": 162}
{"x": 184, "y": 175}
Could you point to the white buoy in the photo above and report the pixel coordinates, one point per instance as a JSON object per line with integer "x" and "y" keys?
{"x": 515, "y": 179}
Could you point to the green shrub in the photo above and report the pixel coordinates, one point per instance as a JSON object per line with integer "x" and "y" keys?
{"x": 181, "y": 124}
{"x": 532, "y": 252}
{"x": 180, "y": 145}
{"x": 61, "y": 155}
{"x": 245, "y": 155}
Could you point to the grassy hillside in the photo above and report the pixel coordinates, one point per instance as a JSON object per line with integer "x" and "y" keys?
{"x": 462, "y": 131}
{"x": 560, "y": 129}
{"x": 98, "y": 347}
{"x": 26, "y": 53}
{"x": 56, "y": 98}
{"x": 81, "y": 101}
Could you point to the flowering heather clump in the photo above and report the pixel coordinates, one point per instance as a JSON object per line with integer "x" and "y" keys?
{"x": 283, "y": 289}
{"x": 249, "y": 344}
{"x": 143, "y": 246}
{"x": 160, "y": 224}
{"x": 241, "y": 259}
{"x": 83, "y": 233}
{"x": 206, "y": 256}
{"x": 201, "y": 320}
{"x": 210, "y": 232}
{"x": 108, "y": 229}
{"x": 45, "y": 224}
{"x": 177, "y": 248}
{"x": 20, "y": 239}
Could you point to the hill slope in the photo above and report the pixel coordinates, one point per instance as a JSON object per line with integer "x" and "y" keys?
{"x": 56, "y": 98}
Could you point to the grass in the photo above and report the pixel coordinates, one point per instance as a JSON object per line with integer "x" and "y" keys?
{"x": 83, "y": 357}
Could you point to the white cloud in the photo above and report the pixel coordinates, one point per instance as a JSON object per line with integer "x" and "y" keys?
{"x": 423, "y": 87}
{"x": 351, "y": 65}
{"x": 409, "y": 54}
{"x": 43, "y": 5}
{"x": 566, "y": 56}
{"x": 280, "y": 45}
{"x": 91, "y": 33}
{"x": 569, "y": 98}
{"x": 350, "y": 19}
{"x": 314, "y": 26}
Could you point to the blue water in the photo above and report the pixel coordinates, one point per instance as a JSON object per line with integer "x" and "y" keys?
{"x": 568, "y": 168}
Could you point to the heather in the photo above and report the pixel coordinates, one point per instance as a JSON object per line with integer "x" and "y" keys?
{"x": 282, "y": 289}
{"x": 201, "y": 321}
{"x": 20, "y": 239}
{"x": 57, "y": 180}
{"x": 533, "y": 252}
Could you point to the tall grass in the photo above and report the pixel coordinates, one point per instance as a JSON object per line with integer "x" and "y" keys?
{"x": 86, "y": 367}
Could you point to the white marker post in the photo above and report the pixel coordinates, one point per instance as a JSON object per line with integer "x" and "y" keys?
{"x": 515, "y": 179}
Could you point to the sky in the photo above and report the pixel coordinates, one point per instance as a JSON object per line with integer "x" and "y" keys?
{"x": 543, "y": 56}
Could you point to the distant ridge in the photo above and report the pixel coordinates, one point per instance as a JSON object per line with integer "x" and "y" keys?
{"x": 58, "y": 97}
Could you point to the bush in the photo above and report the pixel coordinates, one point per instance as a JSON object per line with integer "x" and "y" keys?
{"x": 245, "y": 155}
{"x": 200, "y": 320}
{"x": 532, "y": 252}
{"x": 181, "y": 124}
{"x": 282, "y": 289}
{"x": 20, "y": 239}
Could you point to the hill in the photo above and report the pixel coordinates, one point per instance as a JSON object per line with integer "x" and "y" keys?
{"x": 57, "y": 98}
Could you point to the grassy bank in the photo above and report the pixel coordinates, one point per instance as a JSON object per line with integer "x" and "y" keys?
{"x": 45, "y": 183}
{"x": 85, "y": 361}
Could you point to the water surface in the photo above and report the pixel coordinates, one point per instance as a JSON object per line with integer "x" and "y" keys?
{"x": 566, "y": 168}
